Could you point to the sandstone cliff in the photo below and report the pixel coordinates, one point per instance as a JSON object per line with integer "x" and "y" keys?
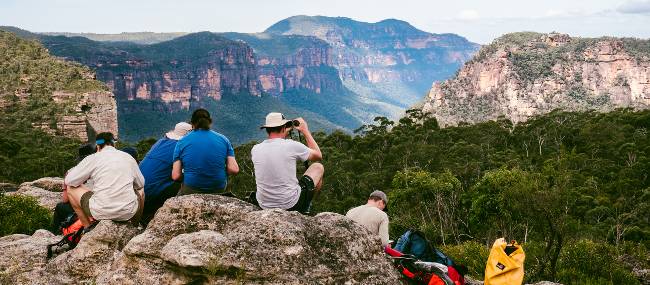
{"x": 45, "y": 92}
{"x": 525, "y": 74}
{"x": 292, "y": 63}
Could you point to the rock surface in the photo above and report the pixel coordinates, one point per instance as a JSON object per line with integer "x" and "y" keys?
{"x": 206, "y": 239}
{"x": 47, "y": 191}
{"x": 521, "y": 75}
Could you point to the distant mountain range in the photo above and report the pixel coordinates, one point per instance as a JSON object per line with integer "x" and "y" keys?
{"x": 337, "y": 72}
{"x": 521, "y": 75}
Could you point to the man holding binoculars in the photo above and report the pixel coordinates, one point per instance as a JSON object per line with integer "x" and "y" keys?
{"x": 275, "y": 166}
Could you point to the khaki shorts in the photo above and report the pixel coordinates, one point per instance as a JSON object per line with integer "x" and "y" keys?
{"x": 85, "y": 200}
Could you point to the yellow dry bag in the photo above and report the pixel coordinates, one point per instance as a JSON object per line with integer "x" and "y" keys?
{"x": 505, "y": 265}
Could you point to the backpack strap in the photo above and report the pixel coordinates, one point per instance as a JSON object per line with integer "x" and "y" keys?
{"x": 70, "y": 239}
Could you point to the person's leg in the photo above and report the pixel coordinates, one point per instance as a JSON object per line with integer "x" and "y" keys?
{"x": 316, "y": 172}
{"x": 61, "y": 212}
{"x": 152, "y": 204}
{"x": 140, "y": 195}
{"x": 75, "y": 195}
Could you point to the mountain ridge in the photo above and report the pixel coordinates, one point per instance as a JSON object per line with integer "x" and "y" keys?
{"x": 304, "y": 73}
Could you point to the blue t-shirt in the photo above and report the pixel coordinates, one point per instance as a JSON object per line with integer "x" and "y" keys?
{"x": 203, "y": 154}
{"x": 156, "y": 167}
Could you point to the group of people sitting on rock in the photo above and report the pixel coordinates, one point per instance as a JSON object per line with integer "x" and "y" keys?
{"x": 109, "y": 184}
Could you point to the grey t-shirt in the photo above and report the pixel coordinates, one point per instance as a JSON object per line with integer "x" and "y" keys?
{"x": 375, "y": 220}
{"x": 275, "y": 172}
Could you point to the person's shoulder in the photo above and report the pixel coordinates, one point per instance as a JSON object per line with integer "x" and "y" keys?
{"x": 293, "y": 144}
{"x": 186, "y": 137}
{"x": 219, "y": 135}
{"x": 353, "y": 210}
{"x": 381, "y": 213}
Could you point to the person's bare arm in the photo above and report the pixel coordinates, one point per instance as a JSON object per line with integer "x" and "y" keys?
{"x": 314, "y": 153}
{"x": 177, "y": 170}
{"x": 231, "y": 165}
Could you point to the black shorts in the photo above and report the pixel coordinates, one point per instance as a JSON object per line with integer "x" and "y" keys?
{"x": 306, "y": 195}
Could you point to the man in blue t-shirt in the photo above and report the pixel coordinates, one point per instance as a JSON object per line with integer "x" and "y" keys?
{"x": 156, "y": 167}
{"x": 203, "y": 158}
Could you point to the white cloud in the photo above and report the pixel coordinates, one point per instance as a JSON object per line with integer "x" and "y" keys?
{"x": 635, "y": 7}
{"x": 468, "y": 15}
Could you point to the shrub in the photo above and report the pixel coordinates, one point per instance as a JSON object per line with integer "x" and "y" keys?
{"x": 592, "y": 263}
{"x": 471, "y": 254}
{"x": 22, "y": 215}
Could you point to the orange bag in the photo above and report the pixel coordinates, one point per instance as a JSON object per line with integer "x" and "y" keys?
{"x": 502, "y": 268}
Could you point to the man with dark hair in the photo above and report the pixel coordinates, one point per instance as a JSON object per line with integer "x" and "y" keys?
{"x": 372, "y": 215}
{"x": 117, "y": 185}
{"x": 203, "y": 158}
{"x": 275, "y": 159}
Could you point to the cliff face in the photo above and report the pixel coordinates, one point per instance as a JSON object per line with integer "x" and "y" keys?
{"x": 525, "y": 74}
{"x": 92, "y": 113}
{"x": 292, "y": 63}
{"x": 58, "y": 97}
{"x": 390, "y": 61}
{"x": 338, "y": 71}
{"x": 177, "y": 72}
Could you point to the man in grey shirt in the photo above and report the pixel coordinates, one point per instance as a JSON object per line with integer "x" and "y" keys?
{"x": 275, "y": 160}
{"x": 372, "y": 215}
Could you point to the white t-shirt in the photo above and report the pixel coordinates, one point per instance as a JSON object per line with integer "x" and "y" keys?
{"x": 275, "y": 172}
{"x": 115, "y": 175}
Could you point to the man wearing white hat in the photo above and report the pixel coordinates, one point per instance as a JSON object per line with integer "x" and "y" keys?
{"x": 275, "y": 159}
{"x": 156, "y": 167}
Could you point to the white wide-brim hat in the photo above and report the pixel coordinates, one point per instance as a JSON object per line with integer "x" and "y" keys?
{"x": 179, "y": 131}
{"x": 274, "y": 120}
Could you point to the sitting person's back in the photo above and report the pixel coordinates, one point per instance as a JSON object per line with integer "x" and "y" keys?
{"x": 157, "y": 169}
{"x": 114, "y": 174}
{"x": 275, "y": 160}
{"x": 372, "y": 215}
{"x": 205, "y": 157}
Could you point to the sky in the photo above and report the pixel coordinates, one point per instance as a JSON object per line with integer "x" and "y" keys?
{"x": 480, "y": 21}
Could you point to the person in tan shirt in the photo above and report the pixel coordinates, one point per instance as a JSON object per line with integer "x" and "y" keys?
{"x": 372, "y": 215}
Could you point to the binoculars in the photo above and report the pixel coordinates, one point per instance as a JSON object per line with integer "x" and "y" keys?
{"x": 293, "y": 123}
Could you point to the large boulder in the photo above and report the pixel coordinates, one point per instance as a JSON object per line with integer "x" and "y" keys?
{"x": 222, "y": 240}
{"x": 94, "y": 253}
{"x": 206, "y": 239}
{"x": 47, "y": 191}
{"x": 23, "y": 258}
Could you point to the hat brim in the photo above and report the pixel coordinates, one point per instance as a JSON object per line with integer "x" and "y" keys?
{"x": 173, "y": 136}
{"x": 284, "y": 122}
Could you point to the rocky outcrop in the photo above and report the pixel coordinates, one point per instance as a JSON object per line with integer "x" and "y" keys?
{"x": 59, "y": 97}
{"x": 93, "y": 113}
{"x": 206, "y": 239}
{"x": 526, "y": 74}
{"x": 46, "y": 191}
